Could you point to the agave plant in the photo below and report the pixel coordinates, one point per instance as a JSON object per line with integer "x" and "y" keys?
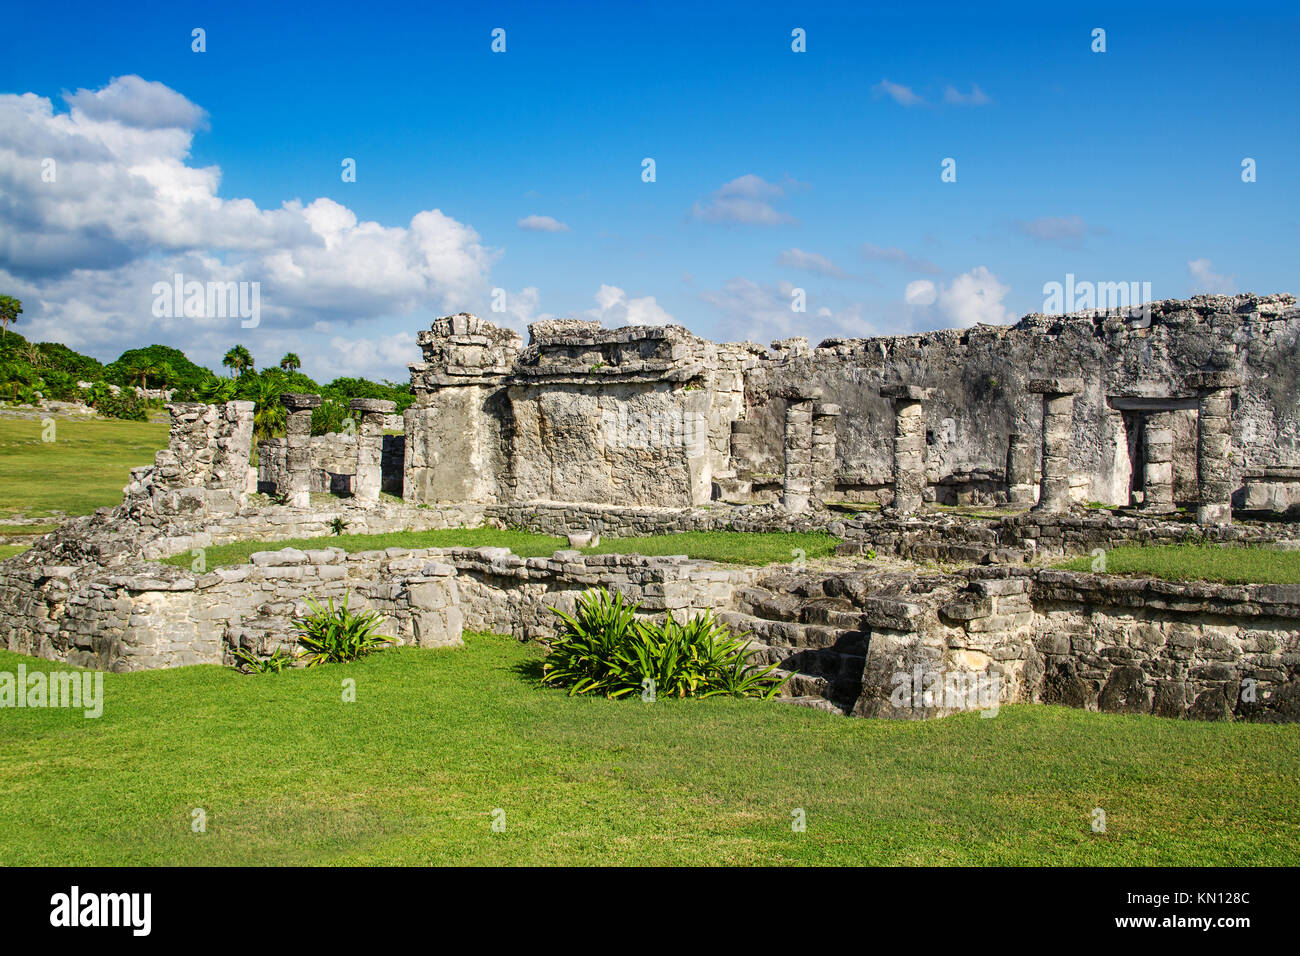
{"x": 335, "y": 635}
{"x": 603, "y": 648}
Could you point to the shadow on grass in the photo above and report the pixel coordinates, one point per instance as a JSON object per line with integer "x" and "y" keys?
{"x": 531, "y": 672}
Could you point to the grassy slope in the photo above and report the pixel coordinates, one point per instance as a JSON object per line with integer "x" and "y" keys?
{"x": 410, "y": 773}
{"x": 1194, "y": 562}
{"x": 726, "y": 546}
{"x": 85, "y": 468}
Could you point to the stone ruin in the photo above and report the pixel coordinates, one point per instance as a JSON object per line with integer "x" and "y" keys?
{"x": 1181, "y": 405}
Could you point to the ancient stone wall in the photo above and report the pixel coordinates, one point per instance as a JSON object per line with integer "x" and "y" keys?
{"x": 1131, "y": 645}
{"x": 205, "y": 466}
{"x": 980, "y": 377}
{"x": 655, "y": 416}
{"x": 333, "y": 463}
{"x": 582, "y": 414}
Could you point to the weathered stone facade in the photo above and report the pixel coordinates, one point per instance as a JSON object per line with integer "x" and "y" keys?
{"x": 654, "y": 416}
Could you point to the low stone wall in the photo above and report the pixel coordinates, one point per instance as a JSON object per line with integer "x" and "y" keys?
{"x": 1017, "y": 538}
{"x": 333, "y": 464}
{"x": 1127, "y": 645}
{"x": 558, "y": 518}
{"x": 142, "y": 616}
{"x": 897, "y": 644}
{"x": 505, "y": 593}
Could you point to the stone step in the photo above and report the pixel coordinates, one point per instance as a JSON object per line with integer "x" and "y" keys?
{"x": 769, "y": 605}
{"x": 817, "y": 703}
{"x": 791, "y": 635}
{"x": 806, "y": 689}
{"x": 818, "y": 663}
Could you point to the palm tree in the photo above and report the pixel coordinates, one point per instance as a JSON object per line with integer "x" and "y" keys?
{"x": 239, "y": 360}
{"x": 291, "y": 362}
{"x": 148, "y": 368}
{"x": 217, "y": 391}
{"x": 10, "y": 309}
{"x": 31, "y": 354}
{"x": 268, "y": 413}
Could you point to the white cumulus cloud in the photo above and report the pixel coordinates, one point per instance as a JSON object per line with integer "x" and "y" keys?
{"x": 1205, "y": 279}
{"x": 542, "y": 224}
{"x": 127, "y": 209}
{"x": 809, "y": 262}
{"x": 920, "y": 292}
{"x": 614, "y": 309}
{"x": 746, "y": 200}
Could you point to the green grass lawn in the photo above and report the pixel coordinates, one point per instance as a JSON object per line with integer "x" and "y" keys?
{"x": 437, "y": 739}
{"x": 730, "y": 547}
{"x": 1198, "y": 562}
{"x": 84, "y": 468}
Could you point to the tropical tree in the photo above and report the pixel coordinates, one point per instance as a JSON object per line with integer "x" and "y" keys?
{"x": 147, "y": 368}
{"x": 15, "y": 376}
{"x": 10, "y": 309}
{"x": 239, "y": 360}
{"x": 268, "y": 412}
{"x": 217, "y": 391}
{"x": 291, "y": 362}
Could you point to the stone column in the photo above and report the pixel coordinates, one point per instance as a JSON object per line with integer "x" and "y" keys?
{"x": 370, "y": 448}
{"x": 1214, "y": 444}
{"x": 823, "y": 450}
{"x": 1158, "y": 472}
{"x": 909, "y": 445}
{"x": 1020, "y": 469}
{"x": 1058, "y": 431}
{"x": 298, "y": 446}
{"x": 798, "y": 455}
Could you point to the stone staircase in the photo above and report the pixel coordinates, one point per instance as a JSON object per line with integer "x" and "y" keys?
{"x": 816, "y": 640}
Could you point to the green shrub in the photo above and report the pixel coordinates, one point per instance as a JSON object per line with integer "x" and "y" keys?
{"x": 605, "y": 649}
{"x": 335, "y": 635}
{"x": 248, "y": 661}
{"x": 124, "y": 405}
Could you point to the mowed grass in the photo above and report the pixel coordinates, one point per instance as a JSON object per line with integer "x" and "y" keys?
{"x": 729, "y": 547}
{"x": 85, "y": 467}
{"x": 437, "y": 740}
{"x": 1198, "y": 562}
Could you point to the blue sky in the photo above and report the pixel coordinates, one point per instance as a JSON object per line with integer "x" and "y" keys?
{"x": 774, "y": 169}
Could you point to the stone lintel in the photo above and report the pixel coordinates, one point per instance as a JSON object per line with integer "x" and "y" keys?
{"x": 799, "y": 393}
{"x": 299, "y": 401}
{"x": 1055, "y": 386}
{"x": 909, "y": 393}
{"x": 1213, "y": 380}
{"x": 376, "y": 405}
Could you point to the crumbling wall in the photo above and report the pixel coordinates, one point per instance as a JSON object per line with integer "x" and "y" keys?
{"x": 980, "y": 378}
{"x": 205, "y": 466}
{"x": 582, "y": 414}
{"x": 333, "y": 463}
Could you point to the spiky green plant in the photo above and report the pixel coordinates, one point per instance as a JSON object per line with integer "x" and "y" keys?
{"x": 336, "y": 635}
{"x": 247, "y": 661}
{"x": 603, "y": 648}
